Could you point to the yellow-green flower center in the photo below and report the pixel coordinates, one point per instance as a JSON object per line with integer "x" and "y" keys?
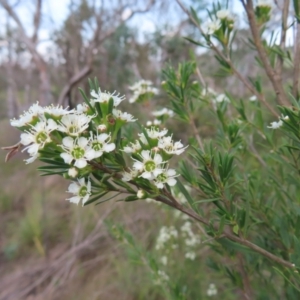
{"x": 41, "y": 137}
{"x": 83, "y": 191}
{"x": 97, "y": 146}
{"x": 150, "y": 166}
{"x": 77, "y": 152}
{"x": 162, "y": 177}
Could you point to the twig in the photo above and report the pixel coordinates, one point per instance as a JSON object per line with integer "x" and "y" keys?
{"x": 271, "y": 73}
{"x": 296, "y": 62}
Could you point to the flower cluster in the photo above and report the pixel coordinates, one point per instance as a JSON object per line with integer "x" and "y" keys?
{"x": 220, "y": 25}
{"x": 151, "y": 153}
{"x": 276, "y": 125}
{"x": 84, "y": 144}
{"x": 73, "y": 138}
{"x": 142, "y": 91}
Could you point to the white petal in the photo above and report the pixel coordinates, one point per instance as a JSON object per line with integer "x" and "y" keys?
{"x": 138, "y": 166}
{"x": 75, "y": 199}
{"x": 159, "y": 185}
{"x": 68, "y": 142}
{"x": 80, "y": 163}
{"x": 26, "y": 138}
{"x": 90, "y": 154}
{"x": 66, "y": 157}
{"x": 146, "y": 154}
{"x": 171, "y": 172}
{"x": 157, "y": 159}
{"x": 51, "y": 125}
{"x": 171, "y": 181}
{"x": 147, "y": 175}
{"x": 82, "y": 142}
{"x": 73, "y": 188}
{"x": 31, "y": 159}
{"x": 109, "y": 147}
{"x": 85, "y": 199}
{"x": 33, "y": 149}
{"x": 102, "y": 137}
{"x": 156, "y": 172}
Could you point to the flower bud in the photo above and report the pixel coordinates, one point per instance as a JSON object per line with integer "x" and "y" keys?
{"x": 141, "y": 194}
{"x": 102, "y": 127}
{"x": 73, "y": 172}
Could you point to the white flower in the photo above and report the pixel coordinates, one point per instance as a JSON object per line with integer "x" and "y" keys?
{"x": 190, "y": 255}
{"x": 81, "y": 190}
{"x": 124, "y": 116}
{"x": 208, "y": 91}
{"x": 224, "y": 14}
{"x": 221, "y": 98}
{"x": 212, "y": 26}
{"x": 102, "y": 127}
{"x": 140, "y": 194}
{"x": 167, "y": 176}
{"x": 276, "y": 125}
{"x": 127, "y": 176}
{"x": 268, "y": 3}
{"x": 57, "y": 111}
{"x": 74, "y": 124}
{"x": 162, "y": 112}
{"x": 154, "y": 133}
{"x": 31, "y": 159}
{"x": 150, "y": 167}
{"x": 253, "y": 98}
{"x": 138, "y": 85}
{"x": 100, "y": 144}
{"x": 73, "y": 172}
{"x": 140, "y": 88}
{"x": 164, "y": 260}
{"x": 162, "y": 276}
{"x": 34, "y": 110}
{"x": 103, "y": 97}
{"x": 155, "y": 123}
{"x": 132, "y": 147}
{"x": 165, "y": 235}
{"x": 212, "y": 290}
{"x": 82, "y": 108}
{"x": 77, "y": 150}
{"x": 38, "y": 136}
{"x": 166, "y": 144}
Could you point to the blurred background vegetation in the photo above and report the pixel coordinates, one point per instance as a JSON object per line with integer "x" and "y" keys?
{"x": 50, "y": 249}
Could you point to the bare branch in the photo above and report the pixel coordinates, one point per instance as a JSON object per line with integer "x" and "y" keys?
{"x": 271, "y": 73}
{"x": 296, "y": 63}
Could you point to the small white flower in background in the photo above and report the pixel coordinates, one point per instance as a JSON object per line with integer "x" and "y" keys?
{"x": 154, "y": 133}
{"x": 31, "y": 159}
{"x": 165, "y": 235}
{"x": 190, "y": 255}
{"x": 268, "y": 3}
{"x": 212, "y": 290}
{"x": 155, "y": 122}
{"x": 127, "y": 176}
{"x": 81, "y": 191}
{"x": 34, "y": 110}
{"x": 103, "y": 97}
{"x": 37, "y": 137}
{"x": 221, "y": 98}
{"x": 102, "y": 127}
{"x": 140, "y": 88}
{"x": 73, "y": 172}
{"x": 212, "y": 26}
{"x": 124, "y": 116}
{"x": 164, "y": 260}
{"x": 162, "y": 276}
{"x": 149, "y": 166}
{"x": 78, "y": 150}
{"x": 167, "y": 176}
{"x": 208, "y": 91}
{"x": 82, "y": 108}
{"x": 74, "y": 124}
{"x": 132, "y": 147}
{"x": 286, "y": 118}
{"x": 140, "y": 194}
{"x": 57, "y": 111}
{"x": 224, "y": 14}
{"x": 166, "y": 144}
{"x": 162, "y": 112}
{"x": 100, "y": 144}
{"x": 275, "y": 125}
{"x": 253, "y": 98}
